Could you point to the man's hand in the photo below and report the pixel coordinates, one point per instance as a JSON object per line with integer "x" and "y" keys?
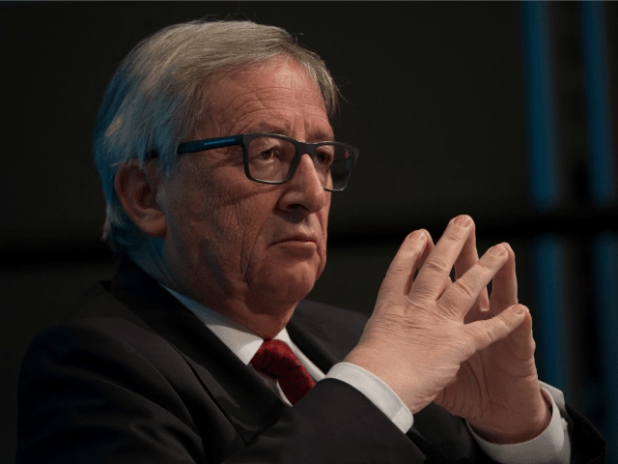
{"x": 497, "y": 389}
{"x": 430, "y": 339}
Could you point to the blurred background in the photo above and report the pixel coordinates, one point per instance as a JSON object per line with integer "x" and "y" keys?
{"x": 504, "y": 111}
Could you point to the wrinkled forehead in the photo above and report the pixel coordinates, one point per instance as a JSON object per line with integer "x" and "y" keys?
{"x": 281, "y": 70}
{"x": 269, "y": 94}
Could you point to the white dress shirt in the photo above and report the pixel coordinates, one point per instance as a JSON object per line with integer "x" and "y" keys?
{"x": 552, "y": 446}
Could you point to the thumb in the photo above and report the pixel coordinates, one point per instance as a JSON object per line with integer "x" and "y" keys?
{"x": 491, "y": 330}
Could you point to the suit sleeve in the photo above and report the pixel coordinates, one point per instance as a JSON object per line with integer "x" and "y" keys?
{"x": 85, "y": 396}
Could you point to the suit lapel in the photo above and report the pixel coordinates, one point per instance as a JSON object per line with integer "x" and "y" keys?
{"x": 323, "y": 333}
{"x": 317, "y": 349}
{"x": 327, "y": 343}
{"x": 240, "y": 393}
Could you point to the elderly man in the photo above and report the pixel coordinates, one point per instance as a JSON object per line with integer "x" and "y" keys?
{"x": 202, "y": 348}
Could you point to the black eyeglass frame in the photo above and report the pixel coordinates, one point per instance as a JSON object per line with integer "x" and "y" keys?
{"x": 245, "y": 139}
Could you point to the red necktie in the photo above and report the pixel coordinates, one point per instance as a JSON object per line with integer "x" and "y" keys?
{"x": 276, "y": 359}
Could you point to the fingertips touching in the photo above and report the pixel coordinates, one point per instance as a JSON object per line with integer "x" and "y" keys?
{"x": 508, "y": 247}
{"x": 416, "y": 244}
{"x": 413, "y": 245}
{"x": 496, "y": 253}
{"x": 428, "y": 249}
{"x": 507, "y": 271}
{"x": 418, "y": 236}
{"x": 468, "y": 256}
{"x": 497, "y": 250}
{"x": 423, "y": 240}
{"x": 487, "y": 332}
{"x": 464, "y": 221}
{"x": 406, "y": 262}
{"x": 510, "y": 251}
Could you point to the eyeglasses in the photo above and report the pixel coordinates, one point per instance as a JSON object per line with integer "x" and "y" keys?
{"x": 273, "y": 158}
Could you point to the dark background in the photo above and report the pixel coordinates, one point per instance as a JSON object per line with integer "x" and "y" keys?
{"x": 436, "y": 102}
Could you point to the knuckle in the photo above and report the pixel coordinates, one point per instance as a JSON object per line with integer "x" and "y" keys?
{"x": 398, "y": 267}
{"x": 454, "y": 236}
{"x": 504, "y": 329}
{"x": 385, "y": 287}
{"x": 489, "y": 264}
{"x": 420, "y": 292}
{"x": 438, "y": 264}
{"x": 392, "y": 323}
{"x": 395, "y": 268}
{"x": 465, "y": 289}
{"x": 489, "y": 260}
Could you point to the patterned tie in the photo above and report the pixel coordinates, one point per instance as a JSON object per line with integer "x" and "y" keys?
{"x": 276, "y": 359}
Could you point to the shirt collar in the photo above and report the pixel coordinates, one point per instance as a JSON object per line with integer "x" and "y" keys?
{"x": 243, "y": 342}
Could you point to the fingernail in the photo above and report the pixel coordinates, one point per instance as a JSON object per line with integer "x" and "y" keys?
{"x": 519, "y": 309}
{"x": 463, "y": 221}
{"x": 418, "y": 235}
{"x": 497, "y": 250}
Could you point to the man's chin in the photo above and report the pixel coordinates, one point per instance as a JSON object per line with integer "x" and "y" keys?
{"x": 285, "y": 282}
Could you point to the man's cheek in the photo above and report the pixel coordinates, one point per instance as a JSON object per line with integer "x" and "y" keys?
{"x": 321, "y": 265}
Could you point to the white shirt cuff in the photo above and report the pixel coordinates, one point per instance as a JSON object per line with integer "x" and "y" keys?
{"x": 550, "y": 447}
{"x": 380, "y": 394}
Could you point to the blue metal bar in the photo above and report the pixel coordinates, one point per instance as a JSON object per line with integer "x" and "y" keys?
{"x": 602, "y": 181}
{"x": 605, "y": 259}
{"x": 550, "y": 330}
{"x": 545, "y": 193}
{"x": 542, "y": 153}
{"x": 602, "y": 172}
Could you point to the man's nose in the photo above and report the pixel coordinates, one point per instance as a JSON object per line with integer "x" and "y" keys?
{"x": 305, "y": 189}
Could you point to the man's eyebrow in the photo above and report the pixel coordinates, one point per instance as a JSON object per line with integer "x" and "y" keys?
{"x": 270, "y": 128}
{"x": 326, "y": 137}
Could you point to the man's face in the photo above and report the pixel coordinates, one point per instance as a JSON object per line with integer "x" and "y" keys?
{"x": 246, "y": 249}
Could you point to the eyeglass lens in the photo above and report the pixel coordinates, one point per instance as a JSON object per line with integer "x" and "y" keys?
{"x": 270, "y": 159}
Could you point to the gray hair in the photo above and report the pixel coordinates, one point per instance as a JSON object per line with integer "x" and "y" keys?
{"x": 157, "y": 98}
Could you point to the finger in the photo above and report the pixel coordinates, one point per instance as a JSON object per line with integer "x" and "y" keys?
{"x": 429, "y": 246}
{"x": 460, "y": 296}
{"x": 435, "y": 272}
{"x": 480, "y": 309}
{"x": 428, "y": 249}
{"x": 504, "y": 285}
{"x": 447, "y": 284}
{"x": 484, "y": 333}
{"x": 401, "y": 271}
{"x": 468, "y": 258}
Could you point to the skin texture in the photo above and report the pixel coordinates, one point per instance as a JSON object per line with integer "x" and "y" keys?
{"x": 442, "y": 343}
{"x": 222, "y": 232}
{"x": 233, "y": 245}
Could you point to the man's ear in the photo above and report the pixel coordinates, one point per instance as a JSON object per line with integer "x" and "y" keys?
{"x": 137, "y": 191}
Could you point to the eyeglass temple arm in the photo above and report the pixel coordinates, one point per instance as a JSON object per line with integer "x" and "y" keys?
{"x": 209, "y": 144}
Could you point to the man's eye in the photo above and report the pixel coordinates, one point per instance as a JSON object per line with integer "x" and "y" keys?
{"x": 266, "y": 155}
{"x": 323, "y": 157}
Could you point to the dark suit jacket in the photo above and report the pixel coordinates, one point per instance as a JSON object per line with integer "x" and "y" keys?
{"x": 133, "y": 376}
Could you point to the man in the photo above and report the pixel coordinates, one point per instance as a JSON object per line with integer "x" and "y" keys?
{"x": 202, "y": 348}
